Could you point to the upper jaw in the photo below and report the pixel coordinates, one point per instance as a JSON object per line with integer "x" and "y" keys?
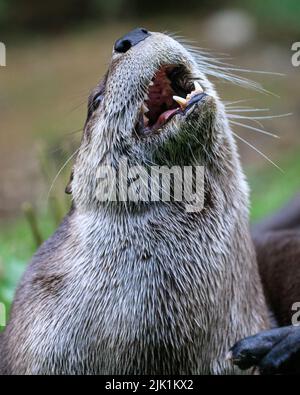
{"x": 172, "y": 91}
{"x": 159, "y": 86}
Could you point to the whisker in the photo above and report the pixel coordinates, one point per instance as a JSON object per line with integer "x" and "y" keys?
{"x": 222, "y": 70}
{"x": 76, "y": 107}
{"x": 237, "y": 101}
{"x": 241, "y": 70}
{"x": 257, "y": 122}
{"x": 260, "y": 117}
{"x": 59, "y": 172}
{"x": 258, "y": 151}
{"x": 73, "y": 132}
{"x": 255, "y": 129}
{"x": 245, "y": 109}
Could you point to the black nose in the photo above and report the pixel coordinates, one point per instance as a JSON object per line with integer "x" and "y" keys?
{"x": 131, "y": 39}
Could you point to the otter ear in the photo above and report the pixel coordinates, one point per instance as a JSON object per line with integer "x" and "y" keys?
{"x": 68, "y": 189}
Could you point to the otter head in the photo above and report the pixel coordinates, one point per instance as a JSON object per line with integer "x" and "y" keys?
{"x": 155, "y": 105}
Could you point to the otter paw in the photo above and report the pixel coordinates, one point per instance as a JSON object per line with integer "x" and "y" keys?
{"x": 276, "y": 351}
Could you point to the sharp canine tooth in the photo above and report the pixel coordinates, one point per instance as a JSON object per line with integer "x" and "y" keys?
{"x": 181, "y": 101}
{"x": 151, "y": 83}
{"x": 198, "y": 87}
{"x": 145, "y": 108}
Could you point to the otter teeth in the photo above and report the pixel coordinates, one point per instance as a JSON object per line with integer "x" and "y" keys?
{"x": 181, "y": 101}
{"x": 145, "y": 109}
{"x": 198, "y": 87}
{"x": 184, "y": 102}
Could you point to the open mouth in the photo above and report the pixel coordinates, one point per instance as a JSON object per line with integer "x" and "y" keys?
{"x": 171, "y": 91}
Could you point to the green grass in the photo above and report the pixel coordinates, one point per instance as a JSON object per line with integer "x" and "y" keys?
{"x": 16, "y": 248}
{"x": 271, "y": 188}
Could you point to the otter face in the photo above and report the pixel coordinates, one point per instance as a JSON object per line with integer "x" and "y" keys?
{"x": 155, "y": 105}
{"x": 152, "y": 89}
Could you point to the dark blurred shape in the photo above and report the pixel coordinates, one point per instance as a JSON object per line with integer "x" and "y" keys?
{"x": 278, "y": 19}
{"x": 35, "y": 15}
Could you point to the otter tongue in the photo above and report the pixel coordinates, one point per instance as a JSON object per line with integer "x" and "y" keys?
{"x": 165, "y": 116}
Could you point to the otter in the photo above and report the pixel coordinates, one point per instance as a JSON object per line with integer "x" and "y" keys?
{"x": 144, "y": 287}
{"x": 277, "y": 245}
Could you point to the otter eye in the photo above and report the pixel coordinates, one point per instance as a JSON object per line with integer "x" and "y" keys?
{"x": 95, "y": 103}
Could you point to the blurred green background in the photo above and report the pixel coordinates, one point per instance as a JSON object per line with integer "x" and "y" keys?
{"x": 56, "y": 53}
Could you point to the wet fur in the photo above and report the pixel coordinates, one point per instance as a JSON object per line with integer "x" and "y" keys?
{"x": 142, "y": 288}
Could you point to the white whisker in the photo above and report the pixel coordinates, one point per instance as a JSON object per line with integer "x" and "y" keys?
{"x": 260, "y": 117}
{"x": 246, "y": 109}
{"x": 237, "y": 101}
{"x": 254, "y": 129}
{"x": 240, "y": 117}
{"x": 258, "y": 151}
{"x": 59, "y": 172}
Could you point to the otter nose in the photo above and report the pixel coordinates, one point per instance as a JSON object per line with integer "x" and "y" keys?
{"x": 131, "y": 39}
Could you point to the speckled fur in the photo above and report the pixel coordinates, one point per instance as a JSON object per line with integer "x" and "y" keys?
{"x": 143, "y": 288}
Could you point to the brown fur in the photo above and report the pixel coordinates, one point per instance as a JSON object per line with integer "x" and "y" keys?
{"x": 277, "y": 243}
{"x": 143, "y": 288}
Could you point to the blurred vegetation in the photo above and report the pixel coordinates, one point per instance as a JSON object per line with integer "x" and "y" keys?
{"x": 38, "y": 16}
{"x": 33, "y": 15}
{"x": 279, "y": 16}
{"x": 20, "y": 238}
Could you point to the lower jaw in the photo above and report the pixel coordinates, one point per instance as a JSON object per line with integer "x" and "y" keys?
{"x": 161, "y": 122}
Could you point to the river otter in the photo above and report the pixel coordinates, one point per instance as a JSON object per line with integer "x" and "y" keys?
{"x": 135, "y": 287}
